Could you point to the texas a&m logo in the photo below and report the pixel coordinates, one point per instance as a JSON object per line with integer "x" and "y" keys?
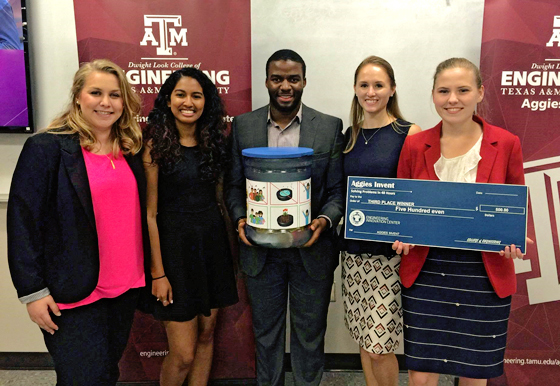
{"x": 167, "y": 35}
{"x": 555, "y": 38}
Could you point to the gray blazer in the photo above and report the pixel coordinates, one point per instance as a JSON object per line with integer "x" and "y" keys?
{"x": 322, "y": 133}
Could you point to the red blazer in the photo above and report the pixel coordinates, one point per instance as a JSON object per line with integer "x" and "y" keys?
{"x": 501, "y": 163}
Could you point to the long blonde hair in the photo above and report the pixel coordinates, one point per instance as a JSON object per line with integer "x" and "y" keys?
{"x": 126, "y": 133}
{"x": 357, "y": 112}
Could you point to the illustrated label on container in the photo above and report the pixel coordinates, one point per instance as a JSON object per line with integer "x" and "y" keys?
{"x": 278, "y": 205}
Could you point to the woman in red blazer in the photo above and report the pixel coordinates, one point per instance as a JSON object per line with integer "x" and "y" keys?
{"x": 456, "y": 303}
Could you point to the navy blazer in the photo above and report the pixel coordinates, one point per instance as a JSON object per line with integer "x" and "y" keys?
{"x": 322, "y": 133}
{"x": 52, "y": 237}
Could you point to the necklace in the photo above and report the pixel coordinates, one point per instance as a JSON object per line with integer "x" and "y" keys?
{"x": 111, "y": 160}
{"x": 373, "y": 135}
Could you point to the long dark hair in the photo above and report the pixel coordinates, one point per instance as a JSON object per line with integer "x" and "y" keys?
{"x": 210, "y": 133}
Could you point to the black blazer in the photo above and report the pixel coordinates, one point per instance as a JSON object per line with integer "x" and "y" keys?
{"x": 52, "y": 237}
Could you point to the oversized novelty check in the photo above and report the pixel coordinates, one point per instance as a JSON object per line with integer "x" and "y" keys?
{"x": 484, "y": 217}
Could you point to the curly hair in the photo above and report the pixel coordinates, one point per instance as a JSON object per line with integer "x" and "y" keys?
{"x": 162, "y": 133}
{"x": 126, "y": 132}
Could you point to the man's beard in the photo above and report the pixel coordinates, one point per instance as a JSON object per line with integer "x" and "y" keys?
{"x": 286, "y": 108}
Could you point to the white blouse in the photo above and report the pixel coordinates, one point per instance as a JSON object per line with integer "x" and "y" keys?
{"x": 462, "y": 168}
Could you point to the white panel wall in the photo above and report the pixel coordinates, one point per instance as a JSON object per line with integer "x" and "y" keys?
{"x": 332, "y": 37}
{"x": 54, "y": 60}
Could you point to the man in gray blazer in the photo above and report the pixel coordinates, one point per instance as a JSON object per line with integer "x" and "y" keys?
{"x": 304, "y": 276}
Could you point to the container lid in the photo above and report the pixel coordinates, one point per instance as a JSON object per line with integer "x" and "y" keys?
{"x": 277, "y": 152}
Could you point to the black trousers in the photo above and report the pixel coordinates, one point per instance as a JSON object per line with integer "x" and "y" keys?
{"x": 91, "y": 339}
{"x": 284, "y": 281}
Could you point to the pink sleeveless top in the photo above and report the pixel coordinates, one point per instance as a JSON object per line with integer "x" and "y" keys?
{"x": 116, "y": 206}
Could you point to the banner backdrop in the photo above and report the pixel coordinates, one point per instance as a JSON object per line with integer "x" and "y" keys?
{"x": 150, "y": 40}
{"x": 520, "y": 63}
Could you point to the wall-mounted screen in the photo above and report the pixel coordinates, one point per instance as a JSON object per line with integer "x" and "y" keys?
{"x": 15, "y": 91}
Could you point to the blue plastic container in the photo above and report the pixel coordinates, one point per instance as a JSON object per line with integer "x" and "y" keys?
{"x": 278, "y": 195}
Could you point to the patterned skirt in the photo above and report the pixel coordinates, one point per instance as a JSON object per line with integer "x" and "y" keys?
{"x": 371, "y": 294}
{"x": 454, "y": 321}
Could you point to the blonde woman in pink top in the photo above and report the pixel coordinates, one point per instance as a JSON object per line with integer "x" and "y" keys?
{"x": 77, "y": 236}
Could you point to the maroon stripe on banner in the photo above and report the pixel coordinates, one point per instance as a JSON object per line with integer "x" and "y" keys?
{"x": 552, "y": 212}
{"x": 539, "y": 168}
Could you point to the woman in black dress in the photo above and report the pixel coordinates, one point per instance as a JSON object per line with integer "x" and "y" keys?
{"x": 192, "y": 270}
